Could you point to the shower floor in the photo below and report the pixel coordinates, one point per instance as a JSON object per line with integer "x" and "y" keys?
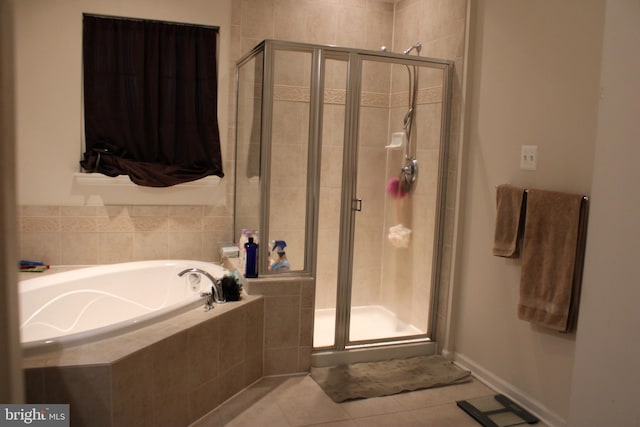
{"x": 367, "y": 323}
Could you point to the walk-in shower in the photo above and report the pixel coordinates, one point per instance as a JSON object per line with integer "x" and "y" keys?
{"x": 321, "y": 133}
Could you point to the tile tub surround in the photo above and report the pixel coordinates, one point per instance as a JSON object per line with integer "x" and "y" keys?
{"x": 288, "y": 322}
{"x": 89, "y": 235}
{"x": 169, "y": 373}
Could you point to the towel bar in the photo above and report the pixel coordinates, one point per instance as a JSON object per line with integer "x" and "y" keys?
{"x": 526, "y": 190}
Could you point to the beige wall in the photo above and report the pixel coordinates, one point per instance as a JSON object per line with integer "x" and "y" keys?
{"x": 48, "y": 89}
{"x": 11, "y": 383}
{"x": 534, "y": 79}
{"x": 604, "y": 387}
{"x": 62, "y": 222}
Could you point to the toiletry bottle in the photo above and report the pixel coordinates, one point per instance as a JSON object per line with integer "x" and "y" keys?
{"x": 244, "y": 238}
{"x": 278, "y": 259}
{"x": 251, "y": 255}
{"x": 273, "y": 255}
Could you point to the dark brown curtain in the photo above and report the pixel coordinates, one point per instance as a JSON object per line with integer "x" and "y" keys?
{"x": 150, "y": 100}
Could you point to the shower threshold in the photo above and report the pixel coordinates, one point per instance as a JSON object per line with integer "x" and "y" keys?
{"x": 368, "y": 323}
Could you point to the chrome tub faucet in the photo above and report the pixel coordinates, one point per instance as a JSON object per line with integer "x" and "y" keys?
{"x": 216, "y": 295}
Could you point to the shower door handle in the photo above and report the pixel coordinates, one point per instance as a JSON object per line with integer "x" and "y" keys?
{"x": 356, "y": 205}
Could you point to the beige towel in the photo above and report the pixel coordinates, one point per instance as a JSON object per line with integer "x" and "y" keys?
{"x": 509, "y": 207}
{"x": 549, "y": 258}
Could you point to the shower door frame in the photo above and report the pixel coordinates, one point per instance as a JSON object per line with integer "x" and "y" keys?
{"x": 354, "y": 58}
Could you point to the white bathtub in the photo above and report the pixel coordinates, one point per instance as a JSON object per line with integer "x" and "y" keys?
{"x": 88, "y": 304}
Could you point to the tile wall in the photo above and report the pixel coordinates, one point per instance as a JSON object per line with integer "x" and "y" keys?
{"x": 440, "y": 25}
{"x": 167, "y": 374}
{"x": 88, "y": 235}
{"x": 406, "y": 273}
{"x": 288, "y": 322}
{"x": 368, "y": 24}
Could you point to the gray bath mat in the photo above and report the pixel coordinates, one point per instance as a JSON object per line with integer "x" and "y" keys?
{"x": 373, "y": 379}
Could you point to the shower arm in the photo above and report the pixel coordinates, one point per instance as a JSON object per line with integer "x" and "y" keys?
{"x": 417, "y": 46}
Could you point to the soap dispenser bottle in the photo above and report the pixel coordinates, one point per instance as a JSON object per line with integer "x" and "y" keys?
{"x": 278, "y": 258}
{"x": 251, "y": 256}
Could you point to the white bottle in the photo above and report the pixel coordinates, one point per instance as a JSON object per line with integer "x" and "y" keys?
{"x": 244, "y": 238}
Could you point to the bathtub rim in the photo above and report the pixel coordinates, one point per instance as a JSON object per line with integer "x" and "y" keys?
{"x": 83, "y": 271}
{"x": 96, "y": 335}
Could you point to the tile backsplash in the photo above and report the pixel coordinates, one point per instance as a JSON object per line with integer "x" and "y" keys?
{"x": 88, "y": 235}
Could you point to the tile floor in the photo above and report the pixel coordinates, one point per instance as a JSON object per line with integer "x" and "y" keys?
{"x": 298, "y": 401}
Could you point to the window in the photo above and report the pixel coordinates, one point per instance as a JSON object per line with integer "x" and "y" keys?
{"x": 150, "y": 100}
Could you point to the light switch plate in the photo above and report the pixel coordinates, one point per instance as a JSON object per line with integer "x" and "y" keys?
{"x": 529, "y": 157}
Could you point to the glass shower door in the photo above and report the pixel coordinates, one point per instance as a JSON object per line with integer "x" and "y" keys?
{"x": 330, "y": 199}
{"x": 372, "y": 290}
{"x": 395, "y": 224}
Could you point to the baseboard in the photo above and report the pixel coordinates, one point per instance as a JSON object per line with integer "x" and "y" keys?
{"x": 550, "y": 418}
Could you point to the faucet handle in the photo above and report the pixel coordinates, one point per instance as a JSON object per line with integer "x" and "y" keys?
{"x": 208, "y": 305}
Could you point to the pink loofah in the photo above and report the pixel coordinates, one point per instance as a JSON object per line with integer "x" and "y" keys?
{"x": 395, "y": 189}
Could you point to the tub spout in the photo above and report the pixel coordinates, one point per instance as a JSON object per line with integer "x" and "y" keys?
{"x": 216, "y": 288}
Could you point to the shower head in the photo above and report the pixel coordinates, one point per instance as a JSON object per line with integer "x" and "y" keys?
{"x": 417, "y": 46}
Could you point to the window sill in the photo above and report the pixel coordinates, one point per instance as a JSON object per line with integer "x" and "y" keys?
{"x": 98, "y": 189}
{"x": 123, "y": 180}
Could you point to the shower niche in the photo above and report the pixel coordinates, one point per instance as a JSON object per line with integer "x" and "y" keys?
{"x": 341, "y": 153}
